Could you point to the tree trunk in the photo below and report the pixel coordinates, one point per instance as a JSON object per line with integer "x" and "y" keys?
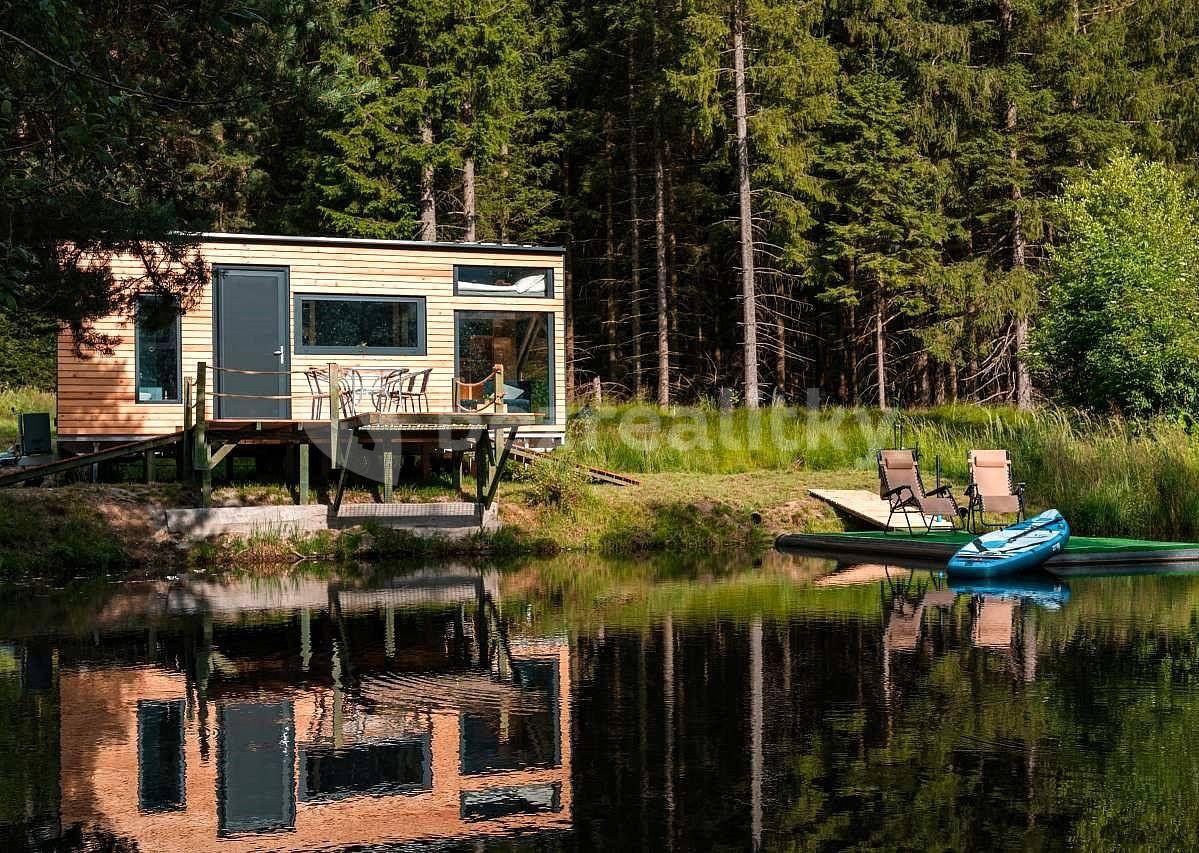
{"x": 663, "y": 274}
{"x": 745, "y": 202}
{"x": 924, "y": 377}
{"x": 610, "y": 252}
{"x": 1023, "y": 382}
{"x": 780, "y": 362}
{"x": 634, "y": 222}
{"x": 468, "y": 198}
{"x": 880, "y": 351}
{"x": 568, "y": 285}
{"x": 428, "y": 204}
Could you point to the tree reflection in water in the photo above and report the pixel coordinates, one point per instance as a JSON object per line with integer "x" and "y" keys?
{"x": 604, "y": 705}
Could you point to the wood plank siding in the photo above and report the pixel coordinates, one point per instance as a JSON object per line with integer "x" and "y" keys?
{"x": 97, "y": 394}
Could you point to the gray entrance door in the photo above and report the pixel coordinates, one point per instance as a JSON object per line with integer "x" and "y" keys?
{"x": 251, "y": 335}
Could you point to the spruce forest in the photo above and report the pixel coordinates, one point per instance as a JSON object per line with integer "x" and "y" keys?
{"x": 766, "y": 196}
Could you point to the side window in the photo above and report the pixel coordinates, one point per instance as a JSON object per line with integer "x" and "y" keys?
{"x": 158, "y": 363}
{"x": 503, "y": 281}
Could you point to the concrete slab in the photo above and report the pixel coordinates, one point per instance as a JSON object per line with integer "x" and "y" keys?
{"x": 447, "y": 518}
{"x": 247, "y": 520}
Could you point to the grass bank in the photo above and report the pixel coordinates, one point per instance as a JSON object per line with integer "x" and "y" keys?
{"x": 1110, "y": 477}
{"x": 711, "y": 483}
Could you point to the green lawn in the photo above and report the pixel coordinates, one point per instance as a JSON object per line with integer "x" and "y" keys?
{"x": 14, "y": 401}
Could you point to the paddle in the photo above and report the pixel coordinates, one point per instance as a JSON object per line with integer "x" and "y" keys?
{"x": 977, "y": 542}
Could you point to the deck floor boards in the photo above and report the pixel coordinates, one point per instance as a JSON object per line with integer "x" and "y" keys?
{"x": 870, "y": 508}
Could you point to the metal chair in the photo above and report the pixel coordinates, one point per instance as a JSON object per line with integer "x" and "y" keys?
{"x": 349, "y": 391}
{"x": 318, "y": 388}
{"x": 386, "y": 394}
{"x": 992, "y": 488}
{"x": 418, "y": 391}
{"x": 901, "y": 486}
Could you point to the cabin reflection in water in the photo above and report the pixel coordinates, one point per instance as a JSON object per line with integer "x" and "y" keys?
{"x": 392, "y": 714}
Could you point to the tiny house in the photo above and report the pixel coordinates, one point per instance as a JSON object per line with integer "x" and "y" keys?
{"x": 443, "y": 316}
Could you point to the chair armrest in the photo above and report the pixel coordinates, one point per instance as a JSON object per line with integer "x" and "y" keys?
{"x": 972, "y": 490}
{"x": 1019, "y": 489}
{"x": 943, "y": 491}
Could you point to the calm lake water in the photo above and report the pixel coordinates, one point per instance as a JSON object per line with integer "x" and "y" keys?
{"x": 581, "y": 704}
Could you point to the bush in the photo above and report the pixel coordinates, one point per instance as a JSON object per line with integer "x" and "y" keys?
{"x": 554, "y": 482}
{"x": 1121, "y": 325}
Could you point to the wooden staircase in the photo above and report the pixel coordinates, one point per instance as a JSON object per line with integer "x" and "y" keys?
{"x": 598, "y": 474}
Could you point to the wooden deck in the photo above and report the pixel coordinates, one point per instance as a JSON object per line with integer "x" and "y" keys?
{"x": 372, "y": 421}
{"x": 873, "y": 510}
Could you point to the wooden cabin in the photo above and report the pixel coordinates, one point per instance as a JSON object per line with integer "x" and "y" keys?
{"x": 420, "y": 326}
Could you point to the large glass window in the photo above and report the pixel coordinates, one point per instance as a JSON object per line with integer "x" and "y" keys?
{"x": 375, "y": 768}
{"x": 504, "y": 281}
{"x": 360, "y": 324}
{"x": 160, "y": 763}
{"x": 523, "y": 343}
{"x": 158, "y": 375}
{"x": 256, "y": 784}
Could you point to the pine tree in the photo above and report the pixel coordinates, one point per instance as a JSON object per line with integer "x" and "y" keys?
{"x": 882, "y": 231}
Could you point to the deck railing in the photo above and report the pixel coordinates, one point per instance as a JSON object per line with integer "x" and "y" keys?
{"x": 473, "y": 396}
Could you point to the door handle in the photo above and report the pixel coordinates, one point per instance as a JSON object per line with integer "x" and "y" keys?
{"x": 279, "y": 352}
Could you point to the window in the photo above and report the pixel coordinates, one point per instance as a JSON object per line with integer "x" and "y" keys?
{"x": 383, "y": 325}
{"x": 256, "y": 771}
{"x": 522, "y": 342}
{"x": 504, "y": 281}
{"x": 158, "y": 370}
{"x": 387, "y": 767}
{"x": 160, "y": 763}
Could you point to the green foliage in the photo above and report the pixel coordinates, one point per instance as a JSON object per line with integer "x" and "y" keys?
{"x": 15, "y": 401}
{"x": 27, "y": 350}
{"x": 554, "y": 482}
{"x": 1121, "y": 327}
{"x": 55, "y": 541}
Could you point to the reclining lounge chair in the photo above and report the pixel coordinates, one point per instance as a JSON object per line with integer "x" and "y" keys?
{"x": 900, "y": 485}
{"x": 992, "y": 488}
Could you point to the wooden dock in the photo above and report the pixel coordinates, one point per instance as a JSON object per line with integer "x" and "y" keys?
{"x": 870, "y": 508}
{"x": 1083, "y": 555}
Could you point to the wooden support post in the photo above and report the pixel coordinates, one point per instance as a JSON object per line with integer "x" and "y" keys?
{"x": 205, "y": 467}
{"x": 200, "y": 427}
{"x": 184, "y": 467}
{"x": 148, "y": 456}
{"x": 303, "y": 449}
{"x": 500, "y": 405}
{"x": 482, "y": 466}
{"x": 334, "y": 412}
{"x": 456, "y": 470}
{"x": 221, "y": 453}
{"x": 388, "y": 462}
{"x": 203, "y": 462}
{"x": 502, "y": 461}
{"x": 343, "y": 476}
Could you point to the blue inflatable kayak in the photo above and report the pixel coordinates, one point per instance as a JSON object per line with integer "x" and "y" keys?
{"x": 1017, "y": 548}
{"x": 1041, "y": 589}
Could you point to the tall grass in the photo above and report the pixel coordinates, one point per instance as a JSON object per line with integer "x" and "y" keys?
{"x": 15, "y": 401}
{"x": 1108, "y": 476}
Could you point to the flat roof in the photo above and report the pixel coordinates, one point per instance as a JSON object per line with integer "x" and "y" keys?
{"x": 370, "y": 243}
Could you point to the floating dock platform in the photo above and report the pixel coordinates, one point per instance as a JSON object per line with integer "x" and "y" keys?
{"x": 1083, "y": 555}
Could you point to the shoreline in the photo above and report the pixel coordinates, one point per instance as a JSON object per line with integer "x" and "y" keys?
{"x": 56, "y": 536}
